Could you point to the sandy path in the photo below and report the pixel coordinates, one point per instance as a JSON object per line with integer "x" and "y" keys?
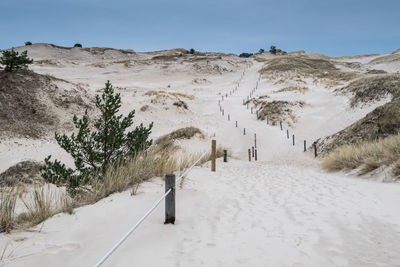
{"x": 279, "y": 211}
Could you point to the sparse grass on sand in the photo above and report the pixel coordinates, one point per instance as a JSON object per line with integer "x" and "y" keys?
{"x": 167, "y": 140}
{"x": 372, "y": 88}
{"x": 367, "y": 156}
{"x": 306, "y": 66}
{"x": 293, "y": 89}
{"x": 276, "y": 110}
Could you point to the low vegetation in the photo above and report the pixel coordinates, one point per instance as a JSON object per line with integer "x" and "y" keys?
{"x": 293, "y": 89}
{"x": 372, "y": 88}
{"x": 276, "y": 110}
{"x": 305, "y": 66}
{"x": 366, "y": 156}
{"x": 33, "y": 105}
{"x": 167, "y": 140}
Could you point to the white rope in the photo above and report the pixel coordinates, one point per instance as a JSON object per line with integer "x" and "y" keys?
{"x": 146, "y": 215}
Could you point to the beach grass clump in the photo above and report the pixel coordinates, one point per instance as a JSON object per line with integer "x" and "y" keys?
{"x": 367, "y": 156}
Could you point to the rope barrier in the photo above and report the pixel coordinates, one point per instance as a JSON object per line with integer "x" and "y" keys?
{"x": 147, "y": 214}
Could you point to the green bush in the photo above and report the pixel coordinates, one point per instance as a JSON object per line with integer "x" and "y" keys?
{"x": 28, "y": 43}
{"x": 12, "y": 60}
{"x": 77, "y": 45}
{"x": 94, "y": 150}
{"x": 192, "y": 51}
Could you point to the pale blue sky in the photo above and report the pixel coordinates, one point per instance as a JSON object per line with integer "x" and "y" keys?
{"x": 339, "y": 27}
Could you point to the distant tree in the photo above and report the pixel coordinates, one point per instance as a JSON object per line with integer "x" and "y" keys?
{"x": 77, "y": 45}
{"x": 245, "y": 55}
{"x": 94, "y": 149}
{"x": 272, "y": 49}
{"x": 28, "y": 43}
{"x": 261, "y": 51}
{"x": 12, "y": 60}
{"x": 192, "y": 51}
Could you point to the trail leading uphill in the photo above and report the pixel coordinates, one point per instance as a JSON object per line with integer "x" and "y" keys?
{"x": 279, "y": 211}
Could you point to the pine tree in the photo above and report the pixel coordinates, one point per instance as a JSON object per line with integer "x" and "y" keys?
{"x": 94, "y": 150}
{"x": 12, "y": 60}
{"x": 272, "y": 49}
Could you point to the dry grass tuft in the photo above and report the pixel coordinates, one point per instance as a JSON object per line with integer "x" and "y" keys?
{"x": 8, "y": 198}
{"x": 367, "y": 156}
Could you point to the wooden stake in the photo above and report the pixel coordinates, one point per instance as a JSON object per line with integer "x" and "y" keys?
{"x": 225, "y": 155}
{"x": 315, "y": 149}
{"x": 252, "y": 151}
{"x": 255, "y": 154}
{"x": 293, "y": 139}
{"x": 170, "y": 199}
{"x": 236, "y": 124}
{"x": 305, "y": 147}
{"x": 281, "y": 125}
{"x": 244, "y": 131}
{"x": 287, "y": 133}
{"x": 249, "y": 155}
{"x": 213, "y": 154}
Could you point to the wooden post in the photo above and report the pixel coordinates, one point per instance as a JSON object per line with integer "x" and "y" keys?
{"x": 244, "y": 131}
{"x": 305, "y": 147}
{"x": 213, "y": 154}
{"x": 255, "y": 154}
{"x": 257, "y": 114}
{"x": 222, "y": 112}
{"x": 255, "y": 140}
{"x": 229, "y": 118}
{"x": 252, "y": 151}
{"x": 170, "y": 199}
{"x": 281, "y": 125}
{"x": 293, "y": 139}
{"x": 225, "y": 155}
{"x": 287, "y": 133}
{"x": 267, "y": 120}
{"x": 236, "y": 124}
{"x": 251, "y": 110}
{"x": 249, "y": 155}
{"x": 315, "y": 149}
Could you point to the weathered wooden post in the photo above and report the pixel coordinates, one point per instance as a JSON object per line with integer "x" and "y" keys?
{"x": 305, "y": 147}
{"x": 293, "y": 139}
{"x": 315, "y": 149}
{"x": 257, "y": 114}
{"x": 252, "y": 151}
{"x": 213, "y": 154}
{"x": 255, "y": 154}
{"x": 225, "y": 155}
{"x": 229, "y": 118}
{"x": 170, "y": 199}
{"x": 236, "y": 124}
{"x": 251, "y": 110}
{"x": 255, "y": 140}
{"x": 267, "y": 120}
{"x": 287, "y": 133}
{"x": 244, "y": 131}
{"x": 249, "y": 154}
{"x": 281, "y": 125}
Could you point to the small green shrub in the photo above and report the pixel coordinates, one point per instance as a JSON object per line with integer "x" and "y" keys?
{"x": 28, "y": 43}
{"x": 77, "y": 45}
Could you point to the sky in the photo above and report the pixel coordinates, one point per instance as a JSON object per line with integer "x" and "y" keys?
{"x": 331, "y": 27}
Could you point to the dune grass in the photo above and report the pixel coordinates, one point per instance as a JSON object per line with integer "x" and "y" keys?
{"x": 293, "y": 89}
{"x": 8, "y": 198}
{"x": 367, "y": 156}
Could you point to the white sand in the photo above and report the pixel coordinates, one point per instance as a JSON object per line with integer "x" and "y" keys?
{"x": 280, "y": 211}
